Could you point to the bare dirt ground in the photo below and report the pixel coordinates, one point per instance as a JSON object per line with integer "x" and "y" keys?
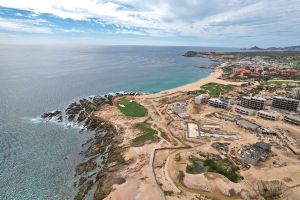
{"x": 155, "y": 168}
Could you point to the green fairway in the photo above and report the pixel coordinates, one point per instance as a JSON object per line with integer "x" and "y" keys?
{"x": 131, "y": 108}
{"x": 215, "y": 89}
{"x": 148, "y": 133}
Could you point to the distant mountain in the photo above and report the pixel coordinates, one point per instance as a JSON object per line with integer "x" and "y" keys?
{"x": 291, "y": 48}
{"x": 255, "y": 48}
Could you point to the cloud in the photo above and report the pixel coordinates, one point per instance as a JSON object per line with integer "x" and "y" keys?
{"x": 156, "y": 18}
{"x": 23, "y": 26}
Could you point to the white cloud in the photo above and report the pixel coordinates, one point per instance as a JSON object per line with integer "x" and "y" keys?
{"x": 22, "y": 26}
{"x": 198, "y": 18}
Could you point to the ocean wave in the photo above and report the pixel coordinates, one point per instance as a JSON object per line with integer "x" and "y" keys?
{"x": 65, "y": 124}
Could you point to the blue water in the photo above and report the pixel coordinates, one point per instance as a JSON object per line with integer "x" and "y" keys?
{"x": 37, "y": 159}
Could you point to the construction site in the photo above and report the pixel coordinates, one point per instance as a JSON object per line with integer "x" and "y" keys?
{"x": 209, "y": 152}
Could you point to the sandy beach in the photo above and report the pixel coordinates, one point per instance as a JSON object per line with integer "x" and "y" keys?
{"x": 214, "y": 77}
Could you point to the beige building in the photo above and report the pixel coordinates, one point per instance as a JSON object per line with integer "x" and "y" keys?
{"x": 268, "y": 115}
{"x": 293, "y": 119}
{"x": 244, "y": 111}
{"x": 202, "y": 98}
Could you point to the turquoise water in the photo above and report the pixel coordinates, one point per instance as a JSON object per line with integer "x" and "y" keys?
{"x": 38, "y": 159}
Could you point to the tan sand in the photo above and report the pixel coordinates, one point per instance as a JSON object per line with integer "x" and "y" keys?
{"x": 214, "y": 77}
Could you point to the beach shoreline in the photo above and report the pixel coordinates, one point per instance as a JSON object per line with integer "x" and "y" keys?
{"x": 213, "y": 77}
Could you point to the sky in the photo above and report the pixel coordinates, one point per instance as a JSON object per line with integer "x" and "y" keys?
{"x": 223, "y": 23}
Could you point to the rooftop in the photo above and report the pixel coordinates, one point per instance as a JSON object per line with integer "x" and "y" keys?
{"x": 270, "y": 113}
{"x": 203, "y": 96}
{"x": 247, "y": 124}
{"x": 285, "y": 98}
{"x": 257, "y": 98}
{"x": 244, "y": 108}
{"x": 217, "y": 100}
{"x": 293, "y": 117}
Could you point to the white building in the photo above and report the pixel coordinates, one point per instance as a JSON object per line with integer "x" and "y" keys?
{"x": 202, "y": 98}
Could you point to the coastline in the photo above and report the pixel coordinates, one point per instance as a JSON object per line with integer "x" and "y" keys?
{"x": 96, "y": 114}
{"x": 214, "y": 77}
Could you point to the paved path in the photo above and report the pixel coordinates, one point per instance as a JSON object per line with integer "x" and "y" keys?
{"x": 175, "y": 188}
{"x": 150, "y": 170}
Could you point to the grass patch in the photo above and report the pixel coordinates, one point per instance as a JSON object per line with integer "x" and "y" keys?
{"x": 131, "y": 108}
{"x": 197, "y": 167}
{"x": 148, "y": 133}
{"x": 216, "y": 165}
{"x": 283, "y": 81}
{"x": 215, "y": 89}
{"x": 224, "y": 167}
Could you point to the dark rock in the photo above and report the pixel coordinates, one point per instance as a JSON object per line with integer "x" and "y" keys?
{"x": 71, "y": 117}
{"x": 81, "y": 117}
{"x": 85, "y": 167}
{"x": 83, "y": 190}
{"x": 60, "y": 118}
{"x": 50, "y": 115}
{"x": 81, "y": 181}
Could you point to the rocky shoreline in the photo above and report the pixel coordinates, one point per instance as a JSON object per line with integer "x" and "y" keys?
{"x": 102, "y": 155}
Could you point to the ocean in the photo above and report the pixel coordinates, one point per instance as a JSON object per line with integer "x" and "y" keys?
{"x": 37, "y": 159}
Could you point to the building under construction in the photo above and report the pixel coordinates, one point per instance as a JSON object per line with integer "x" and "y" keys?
{"x": 257, "y": 152}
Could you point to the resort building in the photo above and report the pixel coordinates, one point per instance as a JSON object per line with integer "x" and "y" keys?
{"x": 293, "y": 119}
{"x": 285, "y": 103}
{"x": 267, "y": 115}
{"x": 202, "y": 98}
{"x": 218, "y": 103}
{"x": 244, "y": 111}
{"x": 257, "y": 103}
{"x": 257, "y": 152}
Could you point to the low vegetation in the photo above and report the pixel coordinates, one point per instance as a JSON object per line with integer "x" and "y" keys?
{"x": 215, "y": 89}
{"x": 224, "y": 167}
{"x": 165, "y": 136}
{"x": 292, "y": 61}
{"x": 148, "y": 133}
{"x": 216, "y": 165}
{"x": 197, "y": 92}
{"x": 131, "y": 108}
{"x": 180, "y": 176}
{"x": 282, "y": 81}
{"x": 197, "y": 167}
